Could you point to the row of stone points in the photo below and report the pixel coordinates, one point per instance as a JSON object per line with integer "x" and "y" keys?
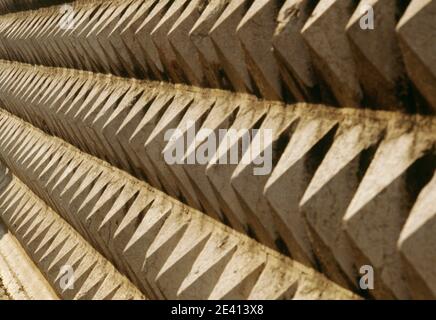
{"x": 294, "y": 50}
{"x": 52, "y": 244}
{"x": 166, "y": 249}
{"x": 348, "y": 187}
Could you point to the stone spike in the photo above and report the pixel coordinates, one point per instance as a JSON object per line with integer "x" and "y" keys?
{"x": 7, "y": 191}
{"x": 41, "y": 232}
{"x": 90, "y": 287}
{"x": 123, "y": 126}
{"x": 220, "y": 117}
{"x": 50, "y": 175}
{"x": 185, "y": 51}
{"x": 68, "y": 250}
{"x": 9, "y": 198}
{"x": 27, "y": 153}
{"x": 105, "y": 202}
{"x": 73, "y": 199}
{"x": 132, "y": 219}
{"x": 106, "y": 290}
{"x": 75, "y": 181}
{"x": 228, "y": 47}
{"x": 142, "y": 133}
{"x": 16, "y": 201}
{"x": 179, "y": 263}
{"x": 334, "y": 63}
{"x": 137, "y": 235}
{"x": 145, "y": 233}
{"x": 128, "y": 194}
{"x": 24, "y": 215}
{"x": 44, "y": 164}
{"x": 84, "y": 106}
{"x": 293, "y": 172}
{"x": 31, "y": 90}
{"x": 83, "y": 270}
{"x": 416, "y": 245}
{"x": 115, "y": 47}
{"x": 248, "y": 185}
{"x": 156, "y": 144}
{"x": 286, "y": 284}
{"x": 330, "y": 192}
{"x": 112, "y": 220}
{"x": 239, "y": 276}
{"x": 110, "y": 128}
{"x": 199, "y": 35}
{"x": 161, "y": 249}
{"x": 64, "y": 178}
{"x": 39, "y": 158}
{"x": 76, "y": 199}
{"x": 32, "y": 231}
{"x": 89, "y": 42}
{"x": 46, "y": 239}
{"x": 147, "y": 44}
{"x": 291, "y": 52}
{"x": 414, "y": 30}
{"x": 377, "y": 54}
{"x": 369, "y": 209}
{"x": 184, "y": 135}
{"x": 60, "y": 243}
{"x": 100, "y": 119}
{"x": 75, "y": 36}
{"x": 255, "y": 31}
{"x": 18, "y": 151}
{"x": 12, "y": 142}
{"x": 208, "y": 267}
{"x": 159, "y": 36}
{"x": 220, "y": 175}
{"x": 20, "y": 204}
{"x": 123, "y": 34}
{"x": 91, "y": 198}
{"x": 30, "y": 218}
{"x": 99, "y": 212}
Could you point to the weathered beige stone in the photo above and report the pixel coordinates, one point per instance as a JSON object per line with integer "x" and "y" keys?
{"x": 324, "y": 33}
{"x": 416, "y": 245}
{"x": 320, "y": 161}
{"x": 415, "y": 31}
{"x": 39, "y": 239}
{"x": 377, "y": 54}
{"x": 156, "y": 241}
{"x": 382, "y": 203}
{"x": 291, "y": 52}
{"x": 267, "y": 47}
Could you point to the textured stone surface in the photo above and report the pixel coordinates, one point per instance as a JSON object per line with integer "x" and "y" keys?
{"x": 416, "y": 30}
{"x": 20, "y": 277}
{"x": 294, "y": 50}
{"x": 52, "y": 245}
{"x": 306, "y": 206}
{"x": 340, "y": 187}
{"x": 163, "y": 246}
